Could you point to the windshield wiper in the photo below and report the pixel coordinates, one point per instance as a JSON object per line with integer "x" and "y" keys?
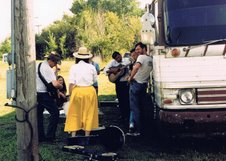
{"x": 206, "y": 43}
{"x": 213, "y": 41}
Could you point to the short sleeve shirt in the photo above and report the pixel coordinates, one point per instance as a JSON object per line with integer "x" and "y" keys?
{"x": 82, "y": 74}
{"x": 47, "y": 73}
{"x": 143, "y": 74}
{"x": 114, "y": 63}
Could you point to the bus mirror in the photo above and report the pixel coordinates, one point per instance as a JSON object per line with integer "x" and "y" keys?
{"x": 147, "y": 31}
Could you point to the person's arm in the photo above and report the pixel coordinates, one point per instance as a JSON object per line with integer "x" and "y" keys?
{"x": 94, "y": 76}
{"x": 71, "y": 79}
{"x": 107, "y": 68}
{"x": 71, "y": 86}
{"x": 136, "y": 67}
{"x": 98, "y": 69}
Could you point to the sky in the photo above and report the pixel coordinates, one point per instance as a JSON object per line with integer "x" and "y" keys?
{"x": 45, "y": 12}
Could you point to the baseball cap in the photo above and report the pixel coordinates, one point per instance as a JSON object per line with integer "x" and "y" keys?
{"x": 55, "y": 58}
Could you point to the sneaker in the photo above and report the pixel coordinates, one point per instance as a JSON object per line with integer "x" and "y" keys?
{"x": 131, "y": 125}
{"x": 131, "y": 130}
{"x": 133, "y": 134}
{"x": 136, "y": 134}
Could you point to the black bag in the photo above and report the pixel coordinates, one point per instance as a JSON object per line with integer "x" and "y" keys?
{"x": 53, "y": 92}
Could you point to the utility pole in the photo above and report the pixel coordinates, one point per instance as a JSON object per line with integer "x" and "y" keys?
{"x": 24, "y": 45}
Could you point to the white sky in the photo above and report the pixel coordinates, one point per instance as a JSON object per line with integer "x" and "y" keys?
{"x": 45, "y": 12}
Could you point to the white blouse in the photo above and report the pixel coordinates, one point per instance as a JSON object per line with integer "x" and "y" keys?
{"x": 82, "y": 74}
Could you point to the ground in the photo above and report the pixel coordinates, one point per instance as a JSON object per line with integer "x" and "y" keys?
{"x": 151, "y": 146}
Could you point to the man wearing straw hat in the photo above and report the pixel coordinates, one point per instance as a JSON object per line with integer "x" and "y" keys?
{"x": 83, "y": 105}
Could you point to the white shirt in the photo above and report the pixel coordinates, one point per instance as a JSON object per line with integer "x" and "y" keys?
{"x": 143, "y": 74}
{"x": 47, "y": 73}
{"x": 82, "y": 74}
{"x": 114, "y": 63}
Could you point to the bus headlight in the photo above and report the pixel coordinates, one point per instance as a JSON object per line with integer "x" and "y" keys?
{"x": 186, "y": 96}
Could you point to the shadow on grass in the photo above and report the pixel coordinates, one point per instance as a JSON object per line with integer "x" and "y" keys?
{"x": 9, "y": 117}
{"x": 107, "y": 97}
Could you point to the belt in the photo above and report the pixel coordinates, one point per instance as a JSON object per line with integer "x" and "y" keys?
{"x": 39, "y": 93}
{"x": 138, "y": 82}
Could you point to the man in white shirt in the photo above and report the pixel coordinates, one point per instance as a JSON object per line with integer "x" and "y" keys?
{"x": 138, "y": 80}
{"x": 45, "y": 100}
{"x": 119, "y": 64}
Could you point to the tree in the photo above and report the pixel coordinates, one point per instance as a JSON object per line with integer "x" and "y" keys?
{"x": 105, "y": 26}
{"x": 62, "y": 45}
{"x": 5, "y": 46}
{"x": 52, "y": 45}
{"x": 27, "y": 135}
{"x": 101, "y": 25}
{"x": 58, "y": 29}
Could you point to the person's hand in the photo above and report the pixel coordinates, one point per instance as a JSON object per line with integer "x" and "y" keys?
{"x": 129, "y": 79}
{"x": 60, "y": 94}
{"x": 126, "y": 77}
{"x": 56, "y": 84}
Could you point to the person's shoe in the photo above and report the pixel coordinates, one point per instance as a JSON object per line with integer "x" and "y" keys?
{"x": 131, "y": 128}
{"x": 131, "y": 125}
{"x": 133, "y": 134}
{"x": 136, "y": 134}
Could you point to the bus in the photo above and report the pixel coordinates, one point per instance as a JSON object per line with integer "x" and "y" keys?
{"x": 188, "y": 46}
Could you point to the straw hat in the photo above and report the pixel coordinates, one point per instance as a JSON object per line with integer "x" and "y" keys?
{"x": 82, "y": 53}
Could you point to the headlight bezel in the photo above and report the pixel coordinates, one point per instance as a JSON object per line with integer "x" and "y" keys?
{"x": 186, "y": 96}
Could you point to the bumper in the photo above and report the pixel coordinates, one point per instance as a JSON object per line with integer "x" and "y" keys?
{"x": 194, "y": 120}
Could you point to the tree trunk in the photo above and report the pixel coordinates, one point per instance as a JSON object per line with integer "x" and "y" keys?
{"x": 27, "y": 144}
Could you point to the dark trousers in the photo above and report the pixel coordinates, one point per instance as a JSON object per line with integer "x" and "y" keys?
{"x": 45, "y": 101}
{"x": 122, "y": 92}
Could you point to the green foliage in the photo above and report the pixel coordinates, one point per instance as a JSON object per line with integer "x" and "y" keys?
{"x": 106, "y": 26}
{"x": 64, "y": 32}
{"x": 101, "y": 25}
{"x": 62, "y": 46}
{"x": 52, "y": 46}
{"x": 5, "y": 46}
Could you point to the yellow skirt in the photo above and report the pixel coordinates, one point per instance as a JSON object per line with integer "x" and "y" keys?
{"x": 82, "y": 110}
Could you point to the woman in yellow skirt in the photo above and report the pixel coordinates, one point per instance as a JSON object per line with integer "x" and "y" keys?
{"x": 83, "y": 106}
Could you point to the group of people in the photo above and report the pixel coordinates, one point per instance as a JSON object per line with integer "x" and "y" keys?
{"x": 82, "y": 110}
{"x": 130, "y": 76}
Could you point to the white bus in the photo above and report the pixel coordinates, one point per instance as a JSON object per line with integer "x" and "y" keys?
{"x": 189, "y": 69}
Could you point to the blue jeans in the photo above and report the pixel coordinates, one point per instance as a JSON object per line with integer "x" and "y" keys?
{"x": 137, "y": 99}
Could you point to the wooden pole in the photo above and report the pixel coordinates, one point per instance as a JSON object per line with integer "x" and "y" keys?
{"x": 27, "y": 136}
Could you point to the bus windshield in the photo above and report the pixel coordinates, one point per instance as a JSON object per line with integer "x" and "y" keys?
{"x": 194, "y": 22}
